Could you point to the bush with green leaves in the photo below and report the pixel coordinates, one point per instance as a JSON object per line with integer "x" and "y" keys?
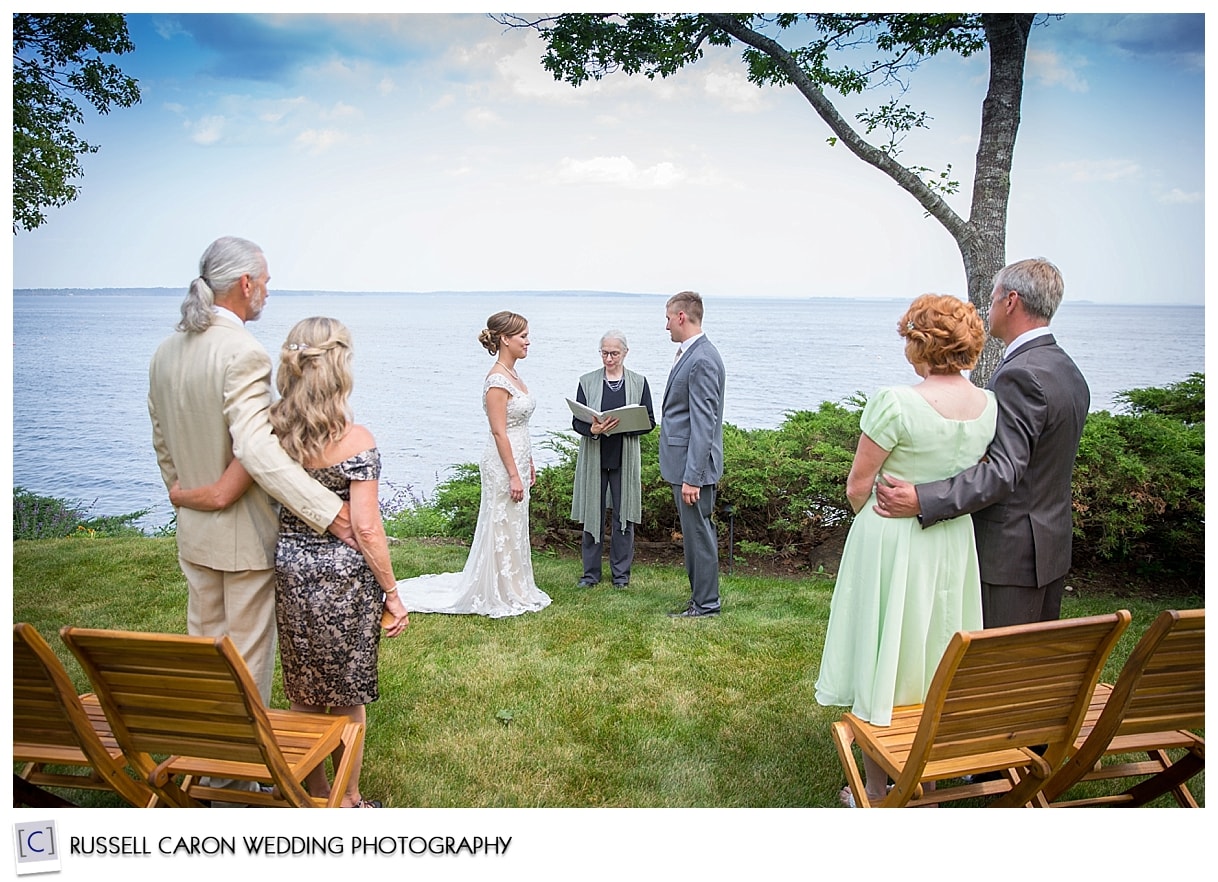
{"x": 49, "y": 517}
{"x": 1183, "y": 401}
{"x": 786, "y": 486}
{"x": 1139, "y": 482}
{"x": 410, "y": 515}
{"x": 1138, "y": 485}
{"x": 457, "y": 500}
{"x": 1138, "y": 491}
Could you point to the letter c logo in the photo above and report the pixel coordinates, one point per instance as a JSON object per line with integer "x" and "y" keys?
{"x": 29, "y": 841}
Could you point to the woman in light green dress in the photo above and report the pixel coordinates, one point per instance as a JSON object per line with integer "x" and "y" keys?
{"x": 903, "y": 591}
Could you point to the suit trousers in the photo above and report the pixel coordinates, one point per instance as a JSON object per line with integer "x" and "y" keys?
{"x": 701, "y": 542}
{"x": 240, "y": 604}
{"x": 1003, "y": 605}
{"x": 621, "y": 542}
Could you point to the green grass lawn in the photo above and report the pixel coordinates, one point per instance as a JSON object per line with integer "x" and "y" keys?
{"x": 598, "y": 700}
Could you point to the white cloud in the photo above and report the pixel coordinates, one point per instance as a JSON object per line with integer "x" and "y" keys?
{"x": 620, "y": 171}
{"x": 733, "y": 89}
{"x": 319, "y": 140}
{"x": 1088, "y": 171}
{"x": 277, "y": 111}
{"x": 521, "y": 72}
{"x": 1051, "y": 69}
{"x": 482, "y": 117}
{"x": 168, "y": 28}
{"x": 1176, "y": 196}
{"x": 342, "y": 110}
{"x": 207, "y": 130}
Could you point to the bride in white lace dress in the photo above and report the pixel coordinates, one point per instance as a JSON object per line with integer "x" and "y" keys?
{"x": 498, "y": 577}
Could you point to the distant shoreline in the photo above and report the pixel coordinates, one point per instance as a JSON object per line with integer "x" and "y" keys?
{"x": 179, "y": 292}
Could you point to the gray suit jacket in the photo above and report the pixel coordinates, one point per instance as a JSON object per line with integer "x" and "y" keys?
{"x": 208, "y": 396}
{"x": 1020, "y": 494}
{"x": 691, "y": 423}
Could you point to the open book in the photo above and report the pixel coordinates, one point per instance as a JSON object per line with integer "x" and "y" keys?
{"x": 631, "y": 418}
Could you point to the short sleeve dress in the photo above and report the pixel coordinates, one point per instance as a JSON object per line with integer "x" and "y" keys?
{"x": 497, "y": 580}
{"x": 902, "y": 591}
{"x": 328, "y": 603}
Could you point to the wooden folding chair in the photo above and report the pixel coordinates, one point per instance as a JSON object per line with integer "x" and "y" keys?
{"x": 192, "y": 701}
{"x": 1008, "y": 700}
{"x": 1158, "y": 697}
{"x": 53, "y": 726}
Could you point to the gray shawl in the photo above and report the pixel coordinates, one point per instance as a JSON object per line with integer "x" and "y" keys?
{"x": 586, "y": 498}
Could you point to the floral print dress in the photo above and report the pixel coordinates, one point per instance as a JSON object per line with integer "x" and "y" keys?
{"x": 328, "y": 603}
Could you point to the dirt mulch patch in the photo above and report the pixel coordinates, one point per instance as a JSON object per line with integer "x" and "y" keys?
{"x": 1121, "y": 580}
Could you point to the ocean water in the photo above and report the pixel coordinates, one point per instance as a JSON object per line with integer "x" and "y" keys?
{"x": 80, "y": 360}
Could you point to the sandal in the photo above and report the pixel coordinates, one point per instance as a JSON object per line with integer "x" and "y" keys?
{"x": 367, "y": 803}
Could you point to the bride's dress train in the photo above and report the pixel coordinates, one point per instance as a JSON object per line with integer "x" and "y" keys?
{"x": 498, "y": 577}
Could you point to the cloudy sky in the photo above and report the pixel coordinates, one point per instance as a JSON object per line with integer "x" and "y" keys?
{"x": 423, "y": 152}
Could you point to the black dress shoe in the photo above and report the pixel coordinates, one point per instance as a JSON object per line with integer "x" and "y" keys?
{"x": 692, "y": 613}
{"x": 586, "y": 583}
{"x": 621, "y": 584}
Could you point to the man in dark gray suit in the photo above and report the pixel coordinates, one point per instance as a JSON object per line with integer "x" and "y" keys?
{"x": 1019, "y": 495}
{"x": 691, "y": 447}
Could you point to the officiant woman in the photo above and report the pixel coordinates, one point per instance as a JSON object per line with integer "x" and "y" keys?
{"x": 608, "y": 470}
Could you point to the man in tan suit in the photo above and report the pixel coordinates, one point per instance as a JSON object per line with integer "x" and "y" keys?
{"x": 209, "y": 391}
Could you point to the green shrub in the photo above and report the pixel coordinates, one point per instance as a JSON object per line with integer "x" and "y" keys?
{"x": 457, "y": 500}
{"x": 49, "y": 517}
{"x": 409, "y": 515}
{"x": 1138, "y": 488}
{"x": 417, "y": 523}
{"x": 1139, "y": 492}
{"x": 550, "y": 497}
{"x": 787, "y": 485}
{"x": 1139, "y": 483}
{"x": 1183, "y": 401}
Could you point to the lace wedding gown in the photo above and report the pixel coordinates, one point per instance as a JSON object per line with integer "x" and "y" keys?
{"x": 498, "y": 577}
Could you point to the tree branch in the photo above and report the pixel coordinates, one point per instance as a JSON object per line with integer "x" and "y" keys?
{"x": 868, "y": 153}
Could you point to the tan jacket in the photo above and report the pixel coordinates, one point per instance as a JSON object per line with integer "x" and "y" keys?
{"x": 209, "y": 396}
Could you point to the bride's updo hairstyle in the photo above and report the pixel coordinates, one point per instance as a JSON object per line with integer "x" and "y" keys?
{"x": 314, "y": 381}
{"x": 942, "y": 332}
{"x": 500, "y": 325}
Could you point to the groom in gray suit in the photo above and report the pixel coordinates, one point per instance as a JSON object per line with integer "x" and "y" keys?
{"x": 691, "y": 447}
{"x": 1019, "y": 495}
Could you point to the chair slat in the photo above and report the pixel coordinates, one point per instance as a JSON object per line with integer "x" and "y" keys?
{"x": 54, "y": 726}
{"x": 1158, "y": 697}
{"x": 995, "y": 695}
{"x": 193, "y": 699}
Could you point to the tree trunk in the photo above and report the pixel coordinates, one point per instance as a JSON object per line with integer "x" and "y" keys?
{"x": 983, "y": 245}
{"x": 982, "y": 238}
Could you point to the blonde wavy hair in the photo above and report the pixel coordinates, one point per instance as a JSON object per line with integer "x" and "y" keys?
{"x": 942, "y": 332}
{"x": 314, "y": 381}
{"x": 500, "y": 325}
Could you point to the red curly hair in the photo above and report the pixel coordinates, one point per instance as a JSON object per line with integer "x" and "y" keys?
{"x": 942, "y": 332}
